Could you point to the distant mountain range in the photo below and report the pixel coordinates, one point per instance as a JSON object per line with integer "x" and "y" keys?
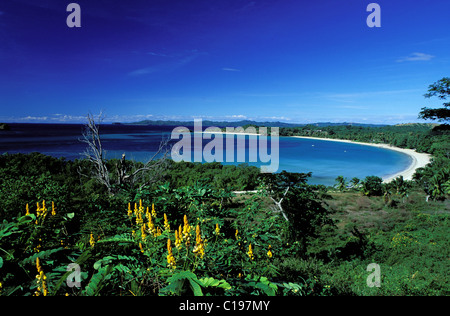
{"x": 246, "y": 122}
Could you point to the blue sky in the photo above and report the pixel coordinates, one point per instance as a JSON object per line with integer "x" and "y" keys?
{"x": 277, "y": 60}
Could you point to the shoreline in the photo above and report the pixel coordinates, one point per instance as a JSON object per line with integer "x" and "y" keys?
{"x": 419, "y": 160}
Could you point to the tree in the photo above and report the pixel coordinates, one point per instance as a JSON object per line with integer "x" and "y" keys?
{"x": 96, "y": 155}
{"x": 355, "y": 182}
{"x": 299, "y": 203}
{"x": 372, "y": 186}
{"x": 341, "y": 184}
{"x": 440, "y": 89}
{"x": 401, "y": 187}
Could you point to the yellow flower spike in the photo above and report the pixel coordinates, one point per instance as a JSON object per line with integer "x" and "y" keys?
{"x": 38, "y": 264}
{"x": 236, "y": 234}
{"x": 269, "y": 253}
{"x": 41, "y": 280}
{"x": 129, "y": 212}
{"x": 178, "y": 239}
{"x": 199, "y": 248}
{"x": 217, "y": 230}
{"x": 170, "y": 258}
{"x": 166, "y": 223}
{"x": 153, "y": 210}
{"x": 158, "y": 232}
{"x": 140, "y": 247}
{"x": 147, "y": 213}
{"x": 92, "y": 240}
{"x": 143, "y": 234}
{"x": 250, "y": 252}
{"x": 151, "y": 227}
{"x": 53, "y": 209}
{"x": 186, "y": 230}
{"x": 28, "y": 210}
{"x": 139, "y": 219}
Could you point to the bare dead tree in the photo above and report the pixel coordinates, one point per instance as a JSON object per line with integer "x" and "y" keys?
{"x": 152, "y": 170}
{"x": 278, "y": 205}
{"x": 95, "y": 153}
{"x": 149, "y": 173}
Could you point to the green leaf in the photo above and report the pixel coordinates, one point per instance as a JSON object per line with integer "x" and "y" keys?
{"x": 97, "y": 280}
{"x": 211, "y": 282}
{"x": 177, "y": 284}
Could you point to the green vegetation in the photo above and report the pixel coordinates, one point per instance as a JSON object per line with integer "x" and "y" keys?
{"x": 290, "y": 238}
{"x": 134, "y": 229}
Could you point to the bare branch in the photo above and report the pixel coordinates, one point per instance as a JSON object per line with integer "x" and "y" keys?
{"x": 95, "y": 154}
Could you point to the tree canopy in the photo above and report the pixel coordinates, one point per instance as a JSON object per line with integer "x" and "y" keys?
{"x": 440, "y": 89}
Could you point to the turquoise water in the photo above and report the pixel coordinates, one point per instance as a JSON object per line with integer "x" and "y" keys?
{"x": 325, "y": 159}
{"x": 328, "y": 160}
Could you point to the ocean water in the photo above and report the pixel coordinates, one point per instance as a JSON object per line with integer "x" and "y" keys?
{"x": 325, "y": 159}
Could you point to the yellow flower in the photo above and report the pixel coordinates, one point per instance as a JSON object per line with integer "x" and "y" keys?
{"x": 171, "y": 263}
{"x": 236, "y": 234}
{"x": 186, "y": 230}
{"x": 217, "y": 230}
{"x": 151, "y": 227}
{"x": 130, "y": 212}
{"x": 41, "y": 280}
{"x": 92, "y": 240}
{"x": 143, "y": 234}
{"x": 178, "y": 238}
{"x": 166, "y": 223}
{"x": 269, "y": 253}
{"x": 153, "y": 210}
{"x": 28, "y": 210}
{"x": 140, "y": 247}
{"x": 53, "y": 209}
{"x": 199, "y": 248}
{"x": 250, "y": 252}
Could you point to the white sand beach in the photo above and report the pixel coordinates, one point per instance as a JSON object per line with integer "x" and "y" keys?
{"x": 419, "y": 160}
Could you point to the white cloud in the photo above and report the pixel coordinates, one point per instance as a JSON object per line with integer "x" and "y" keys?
{"x": 231, "y": 69}
{"x": 416, "y": 57}
{"x": 177, "y": 61}
{"x": 240, "y": 116}
{"x": 143, "y": 71}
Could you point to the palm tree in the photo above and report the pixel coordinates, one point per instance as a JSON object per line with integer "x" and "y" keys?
{"x": 354, "y": 182}
{"x": 341, "y": 184}
{"x": 436, "y": 187}
{"x": 401, "y": 187}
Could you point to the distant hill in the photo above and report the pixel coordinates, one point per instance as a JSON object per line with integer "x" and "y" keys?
{"x": 245, "y": 122}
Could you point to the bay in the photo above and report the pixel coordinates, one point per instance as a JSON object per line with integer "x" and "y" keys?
{"x": 325, "y": 159}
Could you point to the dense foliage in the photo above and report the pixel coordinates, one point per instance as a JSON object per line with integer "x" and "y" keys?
{"x": 189, "y": 234}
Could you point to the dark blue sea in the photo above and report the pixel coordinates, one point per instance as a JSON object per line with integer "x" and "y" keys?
{"x": 325, "y": 159}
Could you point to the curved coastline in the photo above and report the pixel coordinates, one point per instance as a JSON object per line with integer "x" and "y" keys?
{"x": 418, "y": 160}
